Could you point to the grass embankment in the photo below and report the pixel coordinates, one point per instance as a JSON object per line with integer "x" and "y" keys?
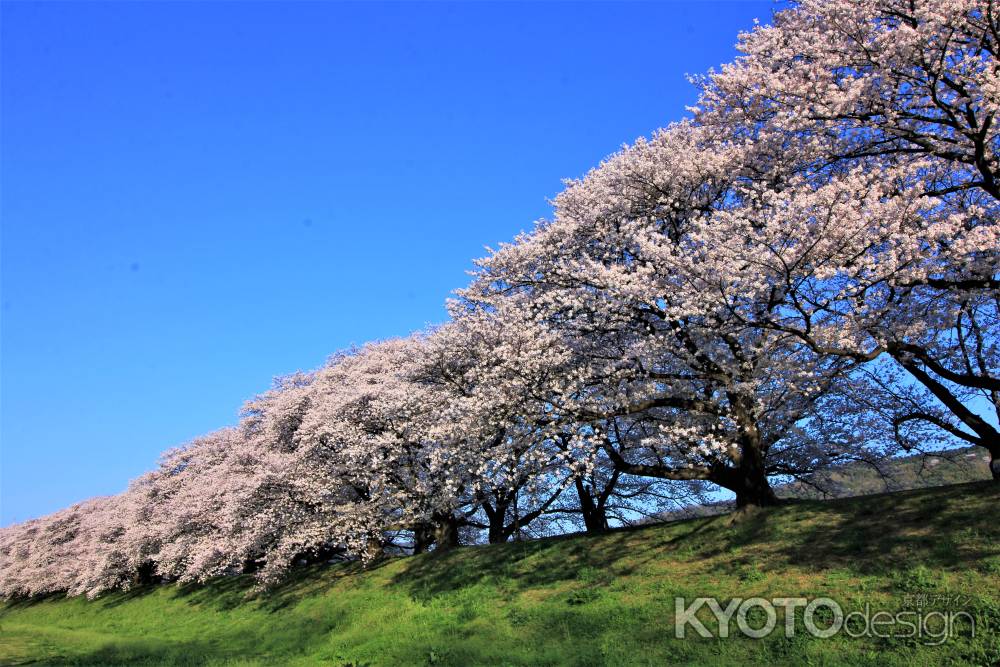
{"x": 579, "y": 600}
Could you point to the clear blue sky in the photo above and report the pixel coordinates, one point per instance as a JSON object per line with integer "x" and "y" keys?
{"x": 197, "y": 197}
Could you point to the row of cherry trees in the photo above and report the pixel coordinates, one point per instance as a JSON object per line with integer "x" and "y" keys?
{"x": 802, "y": 274}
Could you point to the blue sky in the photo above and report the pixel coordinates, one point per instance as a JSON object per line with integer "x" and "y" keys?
{"x": 197, "y": 197}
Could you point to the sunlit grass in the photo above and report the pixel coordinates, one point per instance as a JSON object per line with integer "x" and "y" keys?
{"x": 580, "y": 600}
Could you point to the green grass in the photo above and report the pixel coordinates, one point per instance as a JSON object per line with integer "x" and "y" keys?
{"x": 579, "y": 600}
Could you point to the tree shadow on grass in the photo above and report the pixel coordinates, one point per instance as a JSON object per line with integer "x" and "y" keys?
{"x": 314, "y": 580}
{"x": 27, "y": 602}
{"x": 880, "y": 535}
{"x": 227, "y": 593}
{"x": 153, "y": 652}
{"x": 116, "y": 598}
{"x": 544, "y": 562}
{"x": 894, "y": 531}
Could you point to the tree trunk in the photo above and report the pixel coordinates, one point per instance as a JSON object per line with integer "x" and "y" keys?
{"x": 595, "y": 520}
{"x": 498, "y": 532}
{"x": 757, "y": 494}
{"x": 146, "y": 573}
{"x": 748, "y": 479}
{"x": 422, "y": 539}
{"x": 995, "y": 463}
{"x": 445, "y": 531}
{"x": 374, "y": 549}
{"x": 752, "y": 485}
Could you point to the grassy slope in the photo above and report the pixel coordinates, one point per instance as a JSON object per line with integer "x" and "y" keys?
{"x": 578, "y": 600}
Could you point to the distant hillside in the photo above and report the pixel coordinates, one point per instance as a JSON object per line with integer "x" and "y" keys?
{"x": 957, "y": 466}
{"x": 968, "y": 464}
{"x": 576, "y": 600}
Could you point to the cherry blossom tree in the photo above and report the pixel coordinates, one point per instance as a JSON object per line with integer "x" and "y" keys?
{"x": 675, "y": 383}
{"x": 497, "y": 367}
{"x": 57, "y": 552}
{"x": 874, "y": 123}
